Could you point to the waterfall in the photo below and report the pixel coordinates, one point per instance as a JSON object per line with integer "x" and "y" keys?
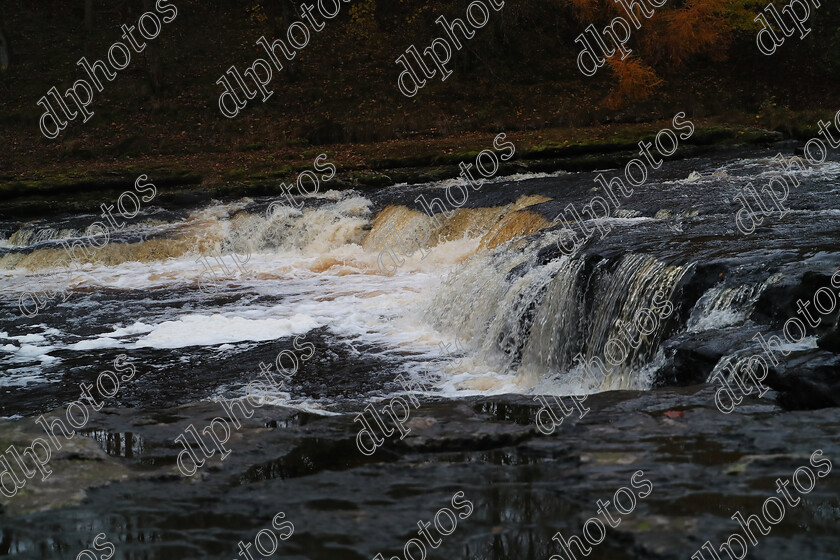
{"x": 531, "y": 319}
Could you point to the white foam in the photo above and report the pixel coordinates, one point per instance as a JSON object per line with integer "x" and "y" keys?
{"x": 94, "y": 344}
{"x": 28, "y": 353}
{"x": 21, "y": 377}
{"x": 136, "y": 328}
{"x": 209, "y": 330}
{"x": 719, "y": 318}
{"x": 29, "y": 338}
{"x": 31, "y": 351}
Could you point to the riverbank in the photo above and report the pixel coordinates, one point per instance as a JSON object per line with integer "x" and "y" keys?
{"x": 75, "y": 184}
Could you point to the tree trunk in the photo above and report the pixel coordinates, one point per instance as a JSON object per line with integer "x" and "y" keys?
{"x": 151, "y": 58}
{"x": 5, "y": 54}
{"x": 89, "y": 15}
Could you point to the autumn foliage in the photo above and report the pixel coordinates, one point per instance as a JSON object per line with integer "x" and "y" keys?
{"x": 671, "y": 38}
{"x": 679, "y": 34}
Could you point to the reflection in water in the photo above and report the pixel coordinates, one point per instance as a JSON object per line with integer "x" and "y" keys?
{"x": 5, "y": 542}
{"x": 135, "y": 537}
{"x": 516, "y": 413}
{"x": 119, "y": 444}
{"x": 312, "y": 456}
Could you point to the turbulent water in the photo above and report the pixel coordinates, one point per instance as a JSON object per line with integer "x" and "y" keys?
{"x": 484, "y": 308}
{"x": 491, "y": 307}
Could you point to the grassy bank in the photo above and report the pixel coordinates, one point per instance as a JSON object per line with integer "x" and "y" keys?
{"x": 186, "y": 179}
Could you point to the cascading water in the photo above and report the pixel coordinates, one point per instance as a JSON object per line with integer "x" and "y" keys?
{"x": 490, "y": 277}
{"x": 531, "y": 319}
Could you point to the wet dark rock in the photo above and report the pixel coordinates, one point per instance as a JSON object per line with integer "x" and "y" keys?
{"x": 451, "y": 432}
{"x": 524, "y": 486}
{"x": 691, "y": 362}
{"x": 779, "y": 301}
{"x": 831, "y": 340}
{"x": 807, "y": 381}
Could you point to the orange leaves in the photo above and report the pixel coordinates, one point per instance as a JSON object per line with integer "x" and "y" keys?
{"x": 665, "y": 43}
{"x": 697, "y": 27}
{"x": 586, "y": 9}
{"x": 636, "y": 81}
